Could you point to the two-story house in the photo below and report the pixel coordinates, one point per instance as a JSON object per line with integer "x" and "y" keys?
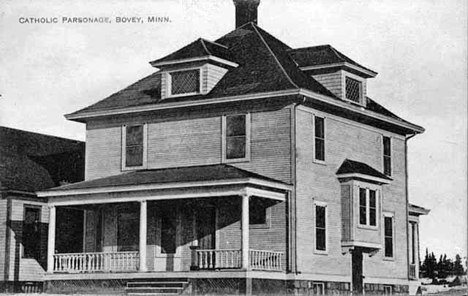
{"x": 241, "y": 166}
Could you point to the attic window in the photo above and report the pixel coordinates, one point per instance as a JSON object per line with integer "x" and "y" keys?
{"x": 353, "y": 90}
{"x": 185, "y": 82}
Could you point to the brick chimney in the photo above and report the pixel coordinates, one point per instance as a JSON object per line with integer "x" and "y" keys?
{"x": 246, "y": 11}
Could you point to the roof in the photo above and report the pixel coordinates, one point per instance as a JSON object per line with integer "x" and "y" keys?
{"x": 31, "y": 161}
{"x": 322, "y": 55}
{"x": 265, "y": 65}
{"x": 216, "y": 172}
{"x": 417, "y": 210}
{"x": 356, "y": 167}
{"x": 199, "y": 48}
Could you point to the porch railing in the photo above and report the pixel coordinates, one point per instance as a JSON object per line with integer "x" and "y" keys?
{"x": 412, "y": 271}
{"x": 216, "y": 259}
{"x": 91, "y": 262}
{"x": 266, "y": 260}
{"x": 226, "y": 259}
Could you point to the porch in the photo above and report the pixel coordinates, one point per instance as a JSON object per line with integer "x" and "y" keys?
{"x": 232, "y": 226}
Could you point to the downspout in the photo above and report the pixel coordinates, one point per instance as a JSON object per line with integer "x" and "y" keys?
{"x": 293, "y": 210}
{"x": 407, "y": 202}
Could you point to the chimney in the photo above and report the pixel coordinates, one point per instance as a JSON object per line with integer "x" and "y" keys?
{"x": 246, "y": 11}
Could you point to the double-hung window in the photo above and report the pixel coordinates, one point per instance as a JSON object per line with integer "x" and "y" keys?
{"x": 134, "y": 146}
{"x": 320, "y": 227}
{"x": 387, "y": 155}
{"x": 319, "y": 138}
{"x": 236, "y": 137}
{"x": 388, "y": 235}
{"x": 368, "y": 203}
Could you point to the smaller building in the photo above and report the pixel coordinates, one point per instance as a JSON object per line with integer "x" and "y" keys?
{"x": 30, "y": 162}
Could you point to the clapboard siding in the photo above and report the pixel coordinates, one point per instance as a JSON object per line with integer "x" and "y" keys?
{"x": 103, "y": 152}
{"x": 29, "y": 269}
{"x": 318, "y": 182}
{"x": 212, "y": 76}
{"x": 332, "y": 81}
{"x": 3, "y": 229}
{"x": 195, "y": 141}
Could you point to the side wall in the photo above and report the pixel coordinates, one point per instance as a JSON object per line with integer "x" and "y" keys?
{"x": 3, "y": 230}
{"x": 318, "y": 182}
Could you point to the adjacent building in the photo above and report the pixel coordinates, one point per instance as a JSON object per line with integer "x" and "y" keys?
{"x": 241, "y": 166}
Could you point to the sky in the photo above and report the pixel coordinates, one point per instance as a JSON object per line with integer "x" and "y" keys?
{"x": 418, "y": 47}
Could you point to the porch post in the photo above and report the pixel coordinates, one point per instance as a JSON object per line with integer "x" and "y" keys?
{"x": 245, "y": 231}
{"x": 143, "y": 233}
{"x": 51, "y": 240}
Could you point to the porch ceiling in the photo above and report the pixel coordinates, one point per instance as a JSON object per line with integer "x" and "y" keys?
{"x": 171, "y": 183}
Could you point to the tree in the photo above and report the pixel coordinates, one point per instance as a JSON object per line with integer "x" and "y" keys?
{"x": 457, "y": 266}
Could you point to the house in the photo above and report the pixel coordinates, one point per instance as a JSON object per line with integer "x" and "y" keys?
{"x": 30, "y": 162}
{"x": 241, "y": 166}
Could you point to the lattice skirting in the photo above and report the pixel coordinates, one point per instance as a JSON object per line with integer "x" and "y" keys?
{"x": 114, "y": 286}
{"x": 22, "y": 287}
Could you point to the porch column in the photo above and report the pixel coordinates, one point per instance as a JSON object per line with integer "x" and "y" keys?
{"x": 51, "y": 240}
{"x": 143, "y": 233}
{"x": 245, "y": 231}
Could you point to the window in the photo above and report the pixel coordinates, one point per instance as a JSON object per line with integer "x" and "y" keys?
{"x": 168, "y": 232}
{"x": 319, "y": 138}
{"x": 31, "y": 232}
{"x": 128, "y": 228}
{"x": 318, "y": 289}
{"x": 388, "y": 236}
{"x": 413, "y": 246}
{"x": 184, "y": 82}
{"x": 134, "y": 146}
{"x": 320, "y": 227}
{"x": 387, "y": 156}
{"x": 258, "y": 211}
{"x": 367, "y": 207}
{"x": 353, "y": 90}
{"x": 236, "y": 137}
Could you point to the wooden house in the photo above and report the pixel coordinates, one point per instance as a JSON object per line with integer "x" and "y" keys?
{"x": 30, "y": 162}
{"x": 241, "y": 166}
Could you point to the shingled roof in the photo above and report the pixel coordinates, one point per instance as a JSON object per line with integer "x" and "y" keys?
{"x": 265, "y": 64}
{"x": 31, "y": 161}
{"x": 356, "y": 167}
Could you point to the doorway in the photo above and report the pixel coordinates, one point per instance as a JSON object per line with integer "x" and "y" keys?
{"x": 206, "y": 227}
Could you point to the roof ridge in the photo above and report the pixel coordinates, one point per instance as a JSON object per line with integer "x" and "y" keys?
{"x": 204, "y": 46}
{"x": 215, "y": 43}
{"x": 337, "y": 53}
{"x": 273, "y": 54}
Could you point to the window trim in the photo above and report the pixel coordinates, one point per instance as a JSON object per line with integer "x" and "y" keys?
{"x": 392, "y": 216}
{"x": 324, "y": 205}
{"x": 361, "y": 90}
{"x": 378, "y": 197}
{"x": 247, "y": 139}
{"x": 31, "y": 206}
{"x": 124, "y": 148}
{"x": 383, "y": 155}
{"x": 169, "y": 82}
{"x": 314, "y": 156}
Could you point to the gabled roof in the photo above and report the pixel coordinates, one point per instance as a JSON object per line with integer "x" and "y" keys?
{"x": 356, "y": 168}
{"x": 322, "y": 55}
{"x": 192, "y": 174}
{"x": 31, "y": 161}
{"x": 265, "y": 65}
{"x": 197, "y": 49}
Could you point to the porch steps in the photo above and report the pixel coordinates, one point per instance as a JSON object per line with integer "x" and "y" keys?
{"x": 158, "y": 287}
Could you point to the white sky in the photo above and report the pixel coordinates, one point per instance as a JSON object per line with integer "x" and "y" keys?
{"x": 418, "y": 47}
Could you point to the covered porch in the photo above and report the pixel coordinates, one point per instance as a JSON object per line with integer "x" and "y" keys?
{"x": 196, "y": 219}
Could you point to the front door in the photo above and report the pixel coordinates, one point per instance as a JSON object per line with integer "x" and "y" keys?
{"x": 206, "y": 227}
{"x": 357, "y": 277}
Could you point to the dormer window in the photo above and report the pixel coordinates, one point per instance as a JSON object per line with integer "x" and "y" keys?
{"x": 353, "y": 90}
{"x": 184, "y": 82}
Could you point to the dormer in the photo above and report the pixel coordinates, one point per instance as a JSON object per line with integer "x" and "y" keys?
{"x": 194, "y": 69}
{"x": 341, "y": 75}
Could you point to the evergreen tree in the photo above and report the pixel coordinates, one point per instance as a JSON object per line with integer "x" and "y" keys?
{"x": 457, "y": 266}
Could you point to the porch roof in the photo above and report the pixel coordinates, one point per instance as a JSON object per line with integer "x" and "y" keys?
{"x": 207, "y": 175}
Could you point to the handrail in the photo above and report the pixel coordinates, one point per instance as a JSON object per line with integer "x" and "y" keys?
{"x": 96, "y": 261}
